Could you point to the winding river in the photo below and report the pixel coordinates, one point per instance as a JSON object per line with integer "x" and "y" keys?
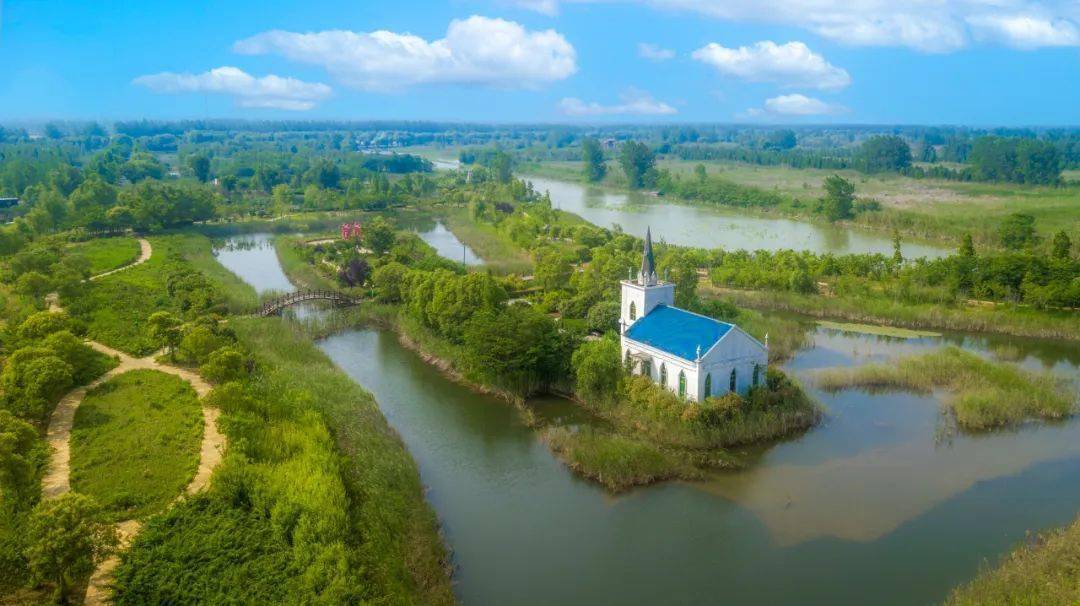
{"x": 874, "y": 506}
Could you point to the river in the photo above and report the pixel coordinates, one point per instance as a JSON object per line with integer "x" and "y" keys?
{"x": 710, "y": 227}
{"x": 874, "y": 506}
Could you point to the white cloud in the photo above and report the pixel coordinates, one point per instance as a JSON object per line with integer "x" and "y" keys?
{"x": 653, "y": 52}
{"x": 791, "y": 64}
{"x": 633, "y": 102}
{"x": 925, "y": 25}
{"x": 477, "y": 50}
{"x": 248, "y": 91}
{"x": 544, "y": 7}
{"x": 795, "y": 105}
{"x": 1027, "y": 31}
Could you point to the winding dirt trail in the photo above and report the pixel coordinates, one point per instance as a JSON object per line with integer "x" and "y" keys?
{"x": 57, "y": 480}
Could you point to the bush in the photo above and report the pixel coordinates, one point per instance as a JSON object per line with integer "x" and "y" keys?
{"x": 67, "y": 539}
{"x": 198, "y": 343}
{"x": 225, "y": 364}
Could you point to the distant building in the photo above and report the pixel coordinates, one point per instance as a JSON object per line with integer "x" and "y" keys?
{"x": 8, "y": 202}
{"x": 690, "y": 354}
{"x": 609, "y": 144}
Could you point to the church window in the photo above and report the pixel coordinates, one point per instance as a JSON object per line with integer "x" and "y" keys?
{"x": 663, "y": 374}
{"x": 757, "y": 374}
{"x": 708, "y": 385}
{"x": 627, "y": 361}
{"x": 731, "y": 383}
{"x": 682, "y": 384}
{"x": 646, "y": 369}
{"x": 633, "y": 311}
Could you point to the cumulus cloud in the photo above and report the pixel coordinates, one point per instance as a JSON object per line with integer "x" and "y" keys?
{"x": 247, "y": 90}
{"x": 925, "y": 25}
{"x": 653, "y": 52}
{"x": 632, "y": 103}
{"x": 791, "y": 64}
{"x": 795, "y": 105}
{"x": 477, "y": 50}
{"x": 1027, "y": 31}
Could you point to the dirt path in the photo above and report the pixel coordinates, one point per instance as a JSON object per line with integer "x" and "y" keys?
{"x": 145, "y": 250}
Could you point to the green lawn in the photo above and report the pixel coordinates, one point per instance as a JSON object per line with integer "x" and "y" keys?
{"x": 135, "y": 442}
{"x": 107, "y": 254}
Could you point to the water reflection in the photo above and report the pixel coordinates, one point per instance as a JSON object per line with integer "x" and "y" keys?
{"x": 714, "y": 227}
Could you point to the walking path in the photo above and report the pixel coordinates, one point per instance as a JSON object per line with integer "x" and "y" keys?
{"x": 145, "y": 250}
{"x": 57, "y": 480}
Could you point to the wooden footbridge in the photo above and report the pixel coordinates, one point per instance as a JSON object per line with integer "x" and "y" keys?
{"x": 274, "y": 306}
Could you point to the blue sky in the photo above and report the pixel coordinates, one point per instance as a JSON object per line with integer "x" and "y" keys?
{"x": 980, "y": 62}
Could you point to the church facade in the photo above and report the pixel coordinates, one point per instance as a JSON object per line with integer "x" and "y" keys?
{"x": 690, "y": 354}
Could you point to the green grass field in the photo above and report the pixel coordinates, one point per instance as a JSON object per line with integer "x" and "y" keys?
{"x": 107, "y": 254}
{"x": 495, "y": 248}
{"x": 616, "y": 461}
{"x": 135, "y": 442}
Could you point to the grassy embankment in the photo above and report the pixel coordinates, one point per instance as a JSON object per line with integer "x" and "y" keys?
{"x": 984, "y": 394}
{"x": 135, "y": 442}
{"x": 107, "y": 254}
{"x": 115, "y": 308}
{"x": 1041, "y": 572}
{"x": 1012, "y": 320}
{"x": 316, "y": 500}
{"x": 616, "y": 461}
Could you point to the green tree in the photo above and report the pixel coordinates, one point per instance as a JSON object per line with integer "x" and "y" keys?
{"x": 515, "y": 347}
{"x": 22, "y": 454}
{"x": 33, "y": 378}
{"x": 502, "y": 165}
{"x": 200, "y": 165}
{"x": 1062, "y": 246}
{"x": 780, "y": 139}
{"x": 967, "y": 247}
{"x": 67, "y": 538}
{"x": 164, "y": 327}
{"x": 638, "y": 163}
{"x": 379, "y": 235}
{"x": 839, "y": 198}
{"x": 884, "y": 153}
{"x": 593, "y": 158}
{"x": 700, "y": 173}
{"x": 1017, "y": 231}
{"x": 388, "y": 281}
{"x": 897, "y": 252}
{"x": 597, "y": 369}
{"x": 552, "y": 269}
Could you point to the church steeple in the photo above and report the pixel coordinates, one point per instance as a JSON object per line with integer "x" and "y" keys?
{"x": 647, "y": 277}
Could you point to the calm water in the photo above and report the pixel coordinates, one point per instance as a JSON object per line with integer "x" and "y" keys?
{"x": 871, "y": 507}
{"x": 448, "y": 246}
{"x": 712, "y": 227}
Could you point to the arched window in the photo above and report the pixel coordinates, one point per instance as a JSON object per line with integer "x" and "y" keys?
{"x": 646, "y": 369}
{"x": 708, "y": 385}
{"x": 663, "y": 374}
{"x": 757, "y": 374}
{"x": 627, "y": 360}
{"x": 633, "y": 311}
{"x": 682, "y": 384}
{"x": 731, "y": 383}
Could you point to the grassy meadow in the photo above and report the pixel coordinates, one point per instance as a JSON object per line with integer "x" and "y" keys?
{"x": 499, "y": 253}
{"x": 135, "y": 442}
{"x": 983, "y": 394}
{"x": 106, "y": 254}
{"x": 616, "y": 461}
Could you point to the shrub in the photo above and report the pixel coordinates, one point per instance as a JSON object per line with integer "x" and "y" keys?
{"x": 225, "y": 364}
{"x": 67, "y": 538}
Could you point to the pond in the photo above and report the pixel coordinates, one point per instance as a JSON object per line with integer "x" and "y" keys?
{"x": 874, "y": 506}
{"x": 714, "y": 227}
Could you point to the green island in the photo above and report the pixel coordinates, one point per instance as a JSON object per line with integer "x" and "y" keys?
{"x": 312, "y": 495}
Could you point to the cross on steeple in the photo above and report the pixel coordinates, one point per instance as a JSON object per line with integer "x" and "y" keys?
{"x": 647, "y": 277}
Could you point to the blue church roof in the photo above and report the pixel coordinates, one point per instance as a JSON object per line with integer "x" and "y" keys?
{"x": 677, "y": 331}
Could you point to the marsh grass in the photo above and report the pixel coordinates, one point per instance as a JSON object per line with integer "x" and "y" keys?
{"x": 1043, "y": 571}
{"x": 616, "y": 461}
{"x": 984, "y": 394}
{"x": 874, "y": 329}
{"x": 135, "y": 442}
{"x": 106, "y": 254}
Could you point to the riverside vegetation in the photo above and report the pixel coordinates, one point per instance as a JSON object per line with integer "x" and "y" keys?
{"x": 466, "y": 320}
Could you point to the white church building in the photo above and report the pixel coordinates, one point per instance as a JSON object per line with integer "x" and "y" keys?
{"x": 690, "y": 354}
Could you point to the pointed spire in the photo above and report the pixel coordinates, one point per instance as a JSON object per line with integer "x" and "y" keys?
{"x": 647, "y": 277}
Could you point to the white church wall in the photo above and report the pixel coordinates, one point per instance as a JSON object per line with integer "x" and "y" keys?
{"x": 643, "y": 299}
